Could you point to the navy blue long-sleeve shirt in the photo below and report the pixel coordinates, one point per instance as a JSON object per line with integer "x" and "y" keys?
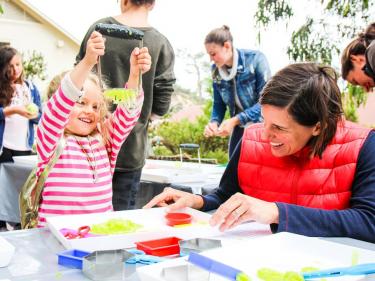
{"x": 358, "y": 221}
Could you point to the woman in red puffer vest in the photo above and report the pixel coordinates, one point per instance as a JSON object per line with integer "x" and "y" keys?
{"x": 304, "y": 170}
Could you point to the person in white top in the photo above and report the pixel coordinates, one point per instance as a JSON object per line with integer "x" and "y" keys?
{"x": 20, "y": 108}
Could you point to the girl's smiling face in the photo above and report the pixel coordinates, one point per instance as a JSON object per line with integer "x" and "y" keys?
{"x": 284, "y": 134}
{"x": 85, "y": 115}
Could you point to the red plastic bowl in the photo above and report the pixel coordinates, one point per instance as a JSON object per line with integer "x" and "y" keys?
{"x": 177, "y": 218}
{"x": 160, "y": 247}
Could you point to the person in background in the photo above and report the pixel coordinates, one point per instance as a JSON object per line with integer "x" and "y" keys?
{"x": 20, "y": 108}
{"x": 304, "y": 170}
{"x": 358, "y": 60}
{"x": 54, "y": 84}
{"x": 157, "y": 86}
{"x": 238, "y": 78}
{"x": 81, "y": 180}
{"x": 16, "y": 119}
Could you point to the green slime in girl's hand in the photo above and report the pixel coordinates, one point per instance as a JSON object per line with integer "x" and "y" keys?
{"x": 122, "y": 96}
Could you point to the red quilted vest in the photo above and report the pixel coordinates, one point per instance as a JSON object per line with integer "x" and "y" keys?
{"x": 317, "y": 183}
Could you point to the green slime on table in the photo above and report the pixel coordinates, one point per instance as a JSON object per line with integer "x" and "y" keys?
{"x": 115, "y": 226}
{"x": 242, "y": 277}
{"x": 268, "y": 274}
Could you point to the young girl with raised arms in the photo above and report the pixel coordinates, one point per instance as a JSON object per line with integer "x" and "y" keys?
{"x": 81, "y": 180}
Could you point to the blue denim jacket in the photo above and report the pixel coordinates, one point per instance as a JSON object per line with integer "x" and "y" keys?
{"x": 35, "y": 98}
{"x": 252, "y": 73}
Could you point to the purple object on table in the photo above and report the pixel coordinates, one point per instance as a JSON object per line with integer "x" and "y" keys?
{"x": 77, "y": 234}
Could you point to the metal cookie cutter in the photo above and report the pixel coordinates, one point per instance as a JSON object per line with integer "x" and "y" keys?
{"x": 106, "y": 265}
{"x": 197, "y": 245}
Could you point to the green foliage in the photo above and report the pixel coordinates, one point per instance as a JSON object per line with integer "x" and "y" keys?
{"x": 271, "y": 10}
{"x": 185, "y": 131}
{"x": 34, "y": 65}
{"x": 172, "y": 134}
{"x": 161, "y": 150}
{"x": 1, "y": 10}
{"x": 347, "y": 8}
{"x": 305, "y": 47}
{"x": 220, "y": 155}
{"x": 352, "y": 98}
{"x": 318, "y": 39}
{"x": 192, "y": 132}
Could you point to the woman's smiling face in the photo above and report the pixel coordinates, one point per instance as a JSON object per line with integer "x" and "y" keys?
{"x": 85, "y": 115}
{"x": 284, "y": 134}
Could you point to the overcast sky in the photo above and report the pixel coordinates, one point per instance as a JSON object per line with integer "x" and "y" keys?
{"x": 185, "y": 23}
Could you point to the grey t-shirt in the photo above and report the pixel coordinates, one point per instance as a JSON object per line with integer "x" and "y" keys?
{"x": 157, "y": 84}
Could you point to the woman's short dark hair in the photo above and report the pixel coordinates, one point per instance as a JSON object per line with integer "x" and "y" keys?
{"x": 310, "y": 94}
{"x": 369, "y": 34}
{"x": 356, "y": 47}
{"x": 219, "y": 36}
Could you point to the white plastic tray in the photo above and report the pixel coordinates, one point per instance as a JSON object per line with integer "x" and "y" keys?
{"x": 282, "y": 252}
{"x": 154, "y": 227}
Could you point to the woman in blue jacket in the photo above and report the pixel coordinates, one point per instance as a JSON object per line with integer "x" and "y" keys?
{"x": 20, "y": 108}
{"x": 238, "y": 78}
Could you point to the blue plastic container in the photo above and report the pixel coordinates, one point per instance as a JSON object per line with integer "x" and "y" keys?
{"x": 72, "y": 258}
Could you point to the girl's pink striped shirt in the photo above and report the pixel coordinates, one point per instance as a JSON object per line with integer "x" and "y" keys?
{"x": 81, "y": 180}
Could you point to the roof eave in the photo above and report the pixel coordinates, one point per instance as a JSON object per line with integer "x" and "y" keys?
{"x": 38, "y": 15}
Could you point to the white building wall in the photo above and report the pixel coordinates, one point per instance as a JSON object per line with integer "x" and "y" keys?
{"x": 26, "y": 35}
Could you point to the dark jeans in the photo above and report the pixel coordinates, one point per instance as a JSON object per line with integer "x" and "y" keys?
{"x": 7, "y": 155}
{"x": 235, "y": 138}
{"x": 125, "y": 189}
